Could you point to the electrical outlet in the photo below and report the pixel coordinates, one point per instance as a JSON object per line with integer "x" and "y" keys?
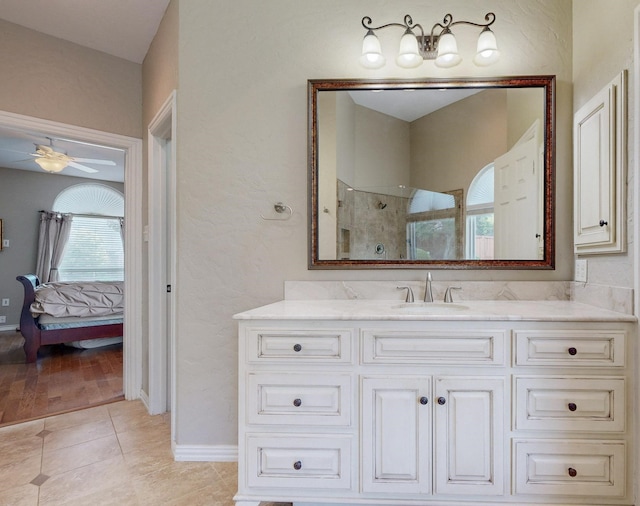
{"x": 5, "y": 243}
{"x": 3, "y": 319}
{"x": 581, "y": 270}
{"x": 5, "y": 302}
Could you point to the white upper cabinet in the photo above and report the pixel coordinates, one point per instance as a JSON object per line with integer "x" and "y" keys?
{"x": 600, "y": 145}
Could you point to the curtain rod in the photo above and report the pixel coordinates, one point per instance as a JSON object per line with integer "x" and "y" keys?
{"x": 86, "y": 215}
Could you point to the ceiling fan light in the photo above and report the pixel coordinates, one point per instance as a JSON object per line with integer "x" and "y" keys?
{"x": 487, "y": 49}
{"x": 448, "y": 55}
{"x": 51, "y": 164}
{"x": 372, "y": 57}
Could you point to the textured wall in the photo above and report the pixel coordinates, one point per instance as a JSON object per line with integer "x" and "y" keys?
{"x": 242, "y": 146}
{"x": 597, "y": 60}
{"x": 49, "y": 78}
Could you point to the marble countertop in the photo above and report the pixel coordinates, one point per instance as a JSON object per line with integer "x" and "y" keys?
{"x": 535, "y": 310}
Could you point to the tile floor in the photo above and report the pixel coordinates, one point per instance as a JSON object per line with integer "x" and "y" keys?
{"x": 115, "y": 454}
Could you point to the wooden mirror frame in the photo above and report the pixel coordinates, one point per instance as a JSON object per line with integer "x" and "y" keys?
{"x": 546, "y": 83}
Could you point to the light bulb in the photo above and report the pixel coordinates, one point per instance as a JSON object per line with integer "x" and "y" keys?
{"x": 487, "y": 50}
{"x": 409, "y": 55}
{"x": 448, "y": 55}
{"x": 372, "y": 57}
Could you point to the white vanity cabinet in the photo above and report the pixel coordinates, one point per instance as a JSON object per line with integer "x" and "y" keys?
{"x": 412, "y": 411}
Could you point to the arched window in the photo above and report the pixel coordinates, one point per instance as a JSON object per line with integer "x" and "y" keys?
{"x": 479, "y": 243}
{"x": 95, "y": 249}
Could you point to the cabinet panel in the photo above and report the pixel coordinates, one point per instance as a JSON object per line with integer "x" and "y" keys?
{"x": 299, "y": 346}
{"x": 314, "y": 461}
{"x": 599, "y": 135}
{"x": 299, "y": 399}
{"x": 420, "y": 347}
{"x": 469, "y": 435}
{"x": 566, "y": 348}
{"x": 578, "y": 468}
{"x": 571, "y": 404}
{"x": 396, "y": 435}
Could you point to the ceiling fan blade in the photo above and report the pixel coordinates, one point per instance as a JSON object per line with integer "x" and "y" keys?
{"x": 83, "y": 168}
{"x": 95, "y": 161}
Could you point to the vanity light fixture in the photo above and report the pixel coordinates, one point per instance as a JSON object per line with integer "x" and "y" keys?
{"x": 440, "y": 45}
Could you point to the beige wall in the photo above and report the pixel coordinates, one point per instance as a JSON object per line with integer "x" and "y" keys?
{"x": 242, "y": 146}
{"x": 597, "y": 60}
{"x": 49, "y": 78}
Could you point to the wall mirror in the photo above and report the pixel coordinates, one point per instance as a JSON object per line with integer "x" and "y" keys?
{"x": 451, "y": 174}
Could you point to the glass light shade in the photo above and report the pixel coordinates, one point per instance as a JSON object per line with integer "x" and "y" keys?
{"x": 409, "y": 55}
{"x": 372, "y": 57}
{"x": 448, "y": 55}
{"x": 487, "y": 51}
{"x": 51, "y": 164}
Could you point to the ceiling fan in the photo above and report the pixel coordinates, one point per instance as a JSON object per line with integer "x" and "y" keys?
{"x": 54, "y": 161}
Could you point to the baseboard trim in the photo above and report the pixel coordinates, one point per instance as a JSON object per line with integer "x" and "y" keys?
{"x": 203, "y": 453}
{"x": 13, "y": 328}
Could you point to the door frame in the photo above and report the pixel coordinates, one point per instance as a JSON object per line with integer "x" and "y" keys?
{"x": 132, "y": 345}
{"x": 162, "y": 217}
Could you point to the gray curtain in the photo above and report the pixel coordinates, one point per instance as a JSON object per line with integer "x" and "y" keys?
{"x": 52, "y": 239}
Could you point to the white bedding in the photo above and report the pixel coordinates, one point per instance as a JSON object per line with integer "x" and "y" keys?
{"x": 79, "y": 299}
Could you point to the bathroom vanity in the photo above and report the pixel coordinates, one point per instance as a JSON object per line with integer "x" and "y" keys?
{"x": 390, "y": 403}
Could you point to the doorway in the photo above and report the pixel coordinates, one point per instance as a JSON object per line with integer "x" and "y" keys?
{"x": 132, "y": 348}
{"x": 161, "y": 238}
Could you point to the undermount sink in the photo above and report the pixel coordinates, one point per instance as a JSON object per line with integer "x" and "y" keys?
{"x": 426, "y": 307}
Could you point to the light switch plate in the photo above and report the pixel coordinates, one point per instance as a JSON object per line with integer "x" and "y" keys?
{"x": 581, "y": 270}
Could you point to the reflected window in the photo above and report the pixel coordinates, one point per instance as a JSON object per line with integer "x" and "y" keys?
{"x": 434, "y": 230}
{"x": 480, "y": 202}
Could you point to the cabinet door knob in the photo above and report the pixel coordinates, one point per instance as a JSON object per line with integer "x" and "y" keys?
{"x": 603, "y": 223}
{"x": 572, "y": 351}
{"x": 441, "y": 401}
{"x": 423, "y": 400}
{"x": 297, "y": 402}
{"x": 572, "y": 406}
{"x": 572, "y": 472}
{"x": 297, "y": 347}
{"x": 297, "y": 465}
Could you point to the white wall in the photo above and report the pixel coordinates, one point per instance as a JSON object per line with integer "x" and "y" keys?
{"x": 242, "y": 146}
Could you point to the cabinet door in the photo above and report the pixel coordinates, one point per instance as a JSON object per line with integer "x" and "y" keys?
{"x": 599, "y": 171}
{"x": 469, "y": 435}
{"x": 396, "y": 435}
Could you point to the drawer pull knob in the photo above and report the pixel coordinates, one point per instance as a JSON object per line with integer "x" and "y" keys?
{"x": 572, "y": 406}
{"x": 603, "y": 223}
{"x": 573, "y": 351}
{"x": 424, "y": 400}
{"x": 572, "y": 472}
{"x": 297, "y": 465}
{"x": 297, "y": 347}
{"x": 441, "y": 401}
{"x": 298, "y": 402}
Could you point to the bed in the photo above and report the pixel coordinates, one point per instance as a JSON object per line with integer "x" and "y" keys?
{"x": 69, "y": 312}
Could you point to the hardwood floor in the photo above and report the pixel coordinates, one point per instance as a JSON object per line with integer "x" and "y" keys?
{"x": 62, "y": 379}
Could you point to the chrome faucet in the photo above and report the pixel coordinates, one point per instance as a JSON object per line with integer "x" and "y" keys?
{"x": 409, "y": 297}
{"x": 428, "y": 294}
{"x": 447, "y": 294}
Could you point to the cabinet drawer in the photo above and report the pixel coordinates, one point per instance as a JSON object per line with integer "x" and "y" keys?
{"x": 575, "y": 404}
{"x": 313, "y": 461}
{"x": 441, "y": 346}
{"x": 570, "y": 348}
{"x": 299, "y": 399}
{"x": 302, "y": 346}
{"x": 575, "y": 468}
